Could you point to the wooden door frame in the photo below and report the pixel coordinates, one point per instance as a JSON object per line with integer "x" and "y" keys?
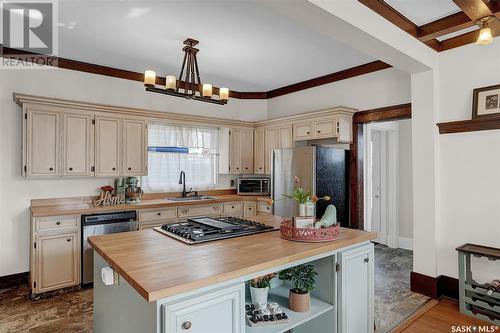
{"x": 356, "y": 190}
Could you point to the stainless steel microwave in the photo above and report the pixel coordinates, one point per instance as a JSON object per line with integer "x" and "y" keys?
{"x": 253, "y": 186}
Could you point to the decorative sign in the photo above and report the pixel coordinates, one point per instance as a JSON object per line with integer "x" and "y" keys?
{"x": 107, "y": 199}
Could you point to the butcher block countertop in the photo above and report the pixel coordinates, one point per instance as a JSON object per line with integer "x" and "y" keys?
{"x": 84, "y": 205}
{"x": 158, "y": 266}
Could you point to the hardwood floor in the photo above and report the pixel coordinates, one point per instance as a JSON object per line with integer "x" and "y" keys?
{"x": 445, "y": 317}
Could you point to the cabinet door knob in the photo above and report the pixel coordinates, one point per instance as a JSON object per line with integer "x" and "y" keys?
{"x": 159, "y": 214}
{"x": 58, "y": 222}
{"x": 68, "y": 239}
{"x": 129, "y": 169}
{"x": 246, "y": 168}
{"x": 113, "y": 169}
{"x": 70, "y": 169}
{"x": 319, "y": 131}
{"x": 367, "y": 260}
{"x": 232, "y": 207}
{"x": 307, "y": 132}
{"x": 51, "y": 169}
{"x": 186, "y": 325}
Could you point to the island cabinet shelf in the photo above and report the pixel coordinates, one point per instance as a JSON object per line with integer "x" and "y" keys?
{"x": 280, "y": 296}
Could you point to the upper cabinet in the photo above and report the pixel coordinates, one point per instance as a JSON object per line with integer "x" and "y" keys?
{"x": 77, "y": 144}
{"x": 259, "y": 151}
{"x": 241, "y": 151}
{"x": 272, "y": 141}
{"x": 135, "y": 143}
{"x": 80, "y": 143}
{"x": 338, "y": 127}
{"x": 107, "y": 146}
{"x": 286, "y": 137}
{"x": 42, "y": 155}
{"x": 247, "y": 150}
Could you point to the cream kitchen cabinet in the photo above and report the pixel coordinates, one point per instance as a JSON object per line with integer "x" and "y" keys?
{"x": 272, "y": 141}
{"x": 108, "y": 154}
{"x": 78, "y": 149}
{"x": 235, "y": 151}
{"x": 55, "y": 256}
{"x": 259, "y": 153}
{"x": 135, "y": 143}
{"x": 303, "y": 131}
{"x": 247, "y": 151}
{"x": 249, "y": 209}
{"x": 286, "y": 137}
{"x": 42, "y": 143}
{"x": 214, "y": 210}
{"x": 241, "y": 151}
{"x": 232, "y": 209}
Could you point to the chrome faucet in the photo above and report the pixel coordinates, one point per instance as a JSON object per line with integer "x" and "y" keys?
{"x": 182, "y": 181}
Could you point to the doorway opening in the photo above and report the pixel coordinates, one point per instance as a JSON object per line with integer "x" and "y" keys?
{"x": 388, "y": 210}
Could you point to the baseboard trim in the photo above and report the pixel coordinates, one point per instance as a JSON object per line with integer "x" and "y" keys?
{"x": 14, "y": 280}
{"x": 434, "y": 287}
{"x": 406, "y": 243}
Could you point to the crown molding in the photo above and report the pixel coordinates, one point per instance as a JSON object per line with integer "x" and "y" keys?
{"x": 134, "y": 76}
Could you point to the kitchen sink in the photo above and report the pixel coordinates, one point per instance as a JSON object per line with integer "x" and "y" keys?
{"x": 193, "y": 198}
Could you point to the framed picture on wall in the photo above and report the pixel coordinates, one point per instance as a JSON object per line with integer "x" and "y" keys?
{"x": 486, "y": 102}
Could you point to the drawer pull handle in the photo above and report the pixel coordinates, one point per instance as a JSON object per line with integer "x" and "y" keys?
{"x": 68, "y": 239}
{"x": 366, "y": 260}
{"x": 159, "y": 214}
{"x": 319, "y": 131}
{"x": 186, "y": 325}
{"x": 307, "y": 132}
{"x": 58, "y": 222}
{"x": 232, "y": 207}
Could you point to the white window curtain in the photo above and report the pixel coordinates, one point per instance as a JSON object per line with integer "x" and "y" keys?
{"x": 172, "y": 149}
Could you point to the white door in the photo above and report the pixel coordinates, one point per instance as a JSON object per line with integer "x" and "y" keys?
{"x": 376, "y": 185}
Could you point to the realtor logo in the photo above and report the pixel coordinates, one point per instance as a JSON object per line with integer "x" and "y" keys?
{"x": 29, "y": 33}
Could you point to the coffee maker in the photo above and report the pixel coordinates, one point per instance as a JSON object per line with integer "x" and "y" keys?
{"x": 133, "y": 193}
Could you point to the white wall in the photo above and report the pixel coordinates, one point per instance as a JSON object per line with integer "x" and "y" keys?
{"x": 405, "y": 185}
{"x": 382, "y": 88}
{"x": 16, "y": 191}
{"x": 469, "y": 162}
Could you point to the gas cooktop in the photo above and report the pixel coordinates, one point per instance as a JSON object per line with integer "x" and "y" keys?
{"x": 205, "y": 229}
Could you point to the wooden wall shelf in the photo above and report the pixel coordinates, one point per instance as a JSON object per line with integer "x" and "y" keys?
{"x": 478, "y": 124}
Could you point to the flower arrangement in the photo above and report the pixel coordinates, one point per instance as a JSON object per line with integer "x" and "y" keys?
{"x": 302, "y": 196}
{"x": 107, "y": 188}
{"x": 262, "y": 281}
{"x": 259, "y": 288}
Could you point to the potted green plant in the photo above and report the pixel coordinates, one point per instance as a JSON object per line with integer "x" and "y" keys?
{"x": 303, "y": 280}
{"x": 259, "y": 288}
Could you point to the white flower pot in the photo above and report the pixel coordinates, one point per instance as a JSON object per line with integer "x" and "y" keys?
{"x": 259, "y": 295}
{"x": 302, "y": 210}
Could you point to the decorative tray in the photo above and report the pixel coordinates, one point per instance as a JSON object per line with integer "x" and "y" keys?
{"x": 311, "y": 235}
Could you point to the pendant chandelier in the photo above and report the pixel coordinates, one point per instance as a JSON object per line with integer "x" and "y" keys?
{"x": 191, "y": 87}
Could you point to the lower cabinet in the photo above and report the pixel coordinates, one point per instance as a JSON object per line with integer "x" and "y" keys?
{"x": 264, "y": 208}
{"x": 233, "y": 209}
{"x": 356, "y": 290}
{"x": 249, "y": 209}
{"x": 215, "y": 312}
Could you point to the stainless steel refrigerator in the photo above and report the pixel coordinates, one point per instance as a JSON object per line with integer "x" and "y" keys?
{"x": 323, "y": 170}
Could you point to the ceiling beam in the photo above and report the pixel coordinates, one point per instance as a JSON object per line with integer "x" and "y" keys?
{"x": 474, "y": 9}
{"x": 385, "y": 10}
{"x": 443, "y": 26}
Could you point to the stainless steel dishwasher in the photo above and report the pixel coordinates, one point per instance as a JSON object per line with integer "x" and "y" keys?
{"x": 101, "y": 224}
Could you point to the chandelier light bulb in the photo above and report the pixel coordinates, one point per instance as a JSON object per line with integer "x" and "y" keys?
{"x": 224, "y": 94}
{"x": 170, "y": 82}
{"x": 149, "y": 78}
{"x": 485, "y": 36}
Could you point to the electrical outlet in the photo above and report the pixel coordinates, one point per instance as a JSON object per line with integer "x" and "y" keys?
{"x": 233, "y": 183}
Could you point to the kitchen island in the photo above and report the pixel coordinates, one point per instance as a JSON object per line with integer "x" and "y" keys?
{"x": 163, "y": 285}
